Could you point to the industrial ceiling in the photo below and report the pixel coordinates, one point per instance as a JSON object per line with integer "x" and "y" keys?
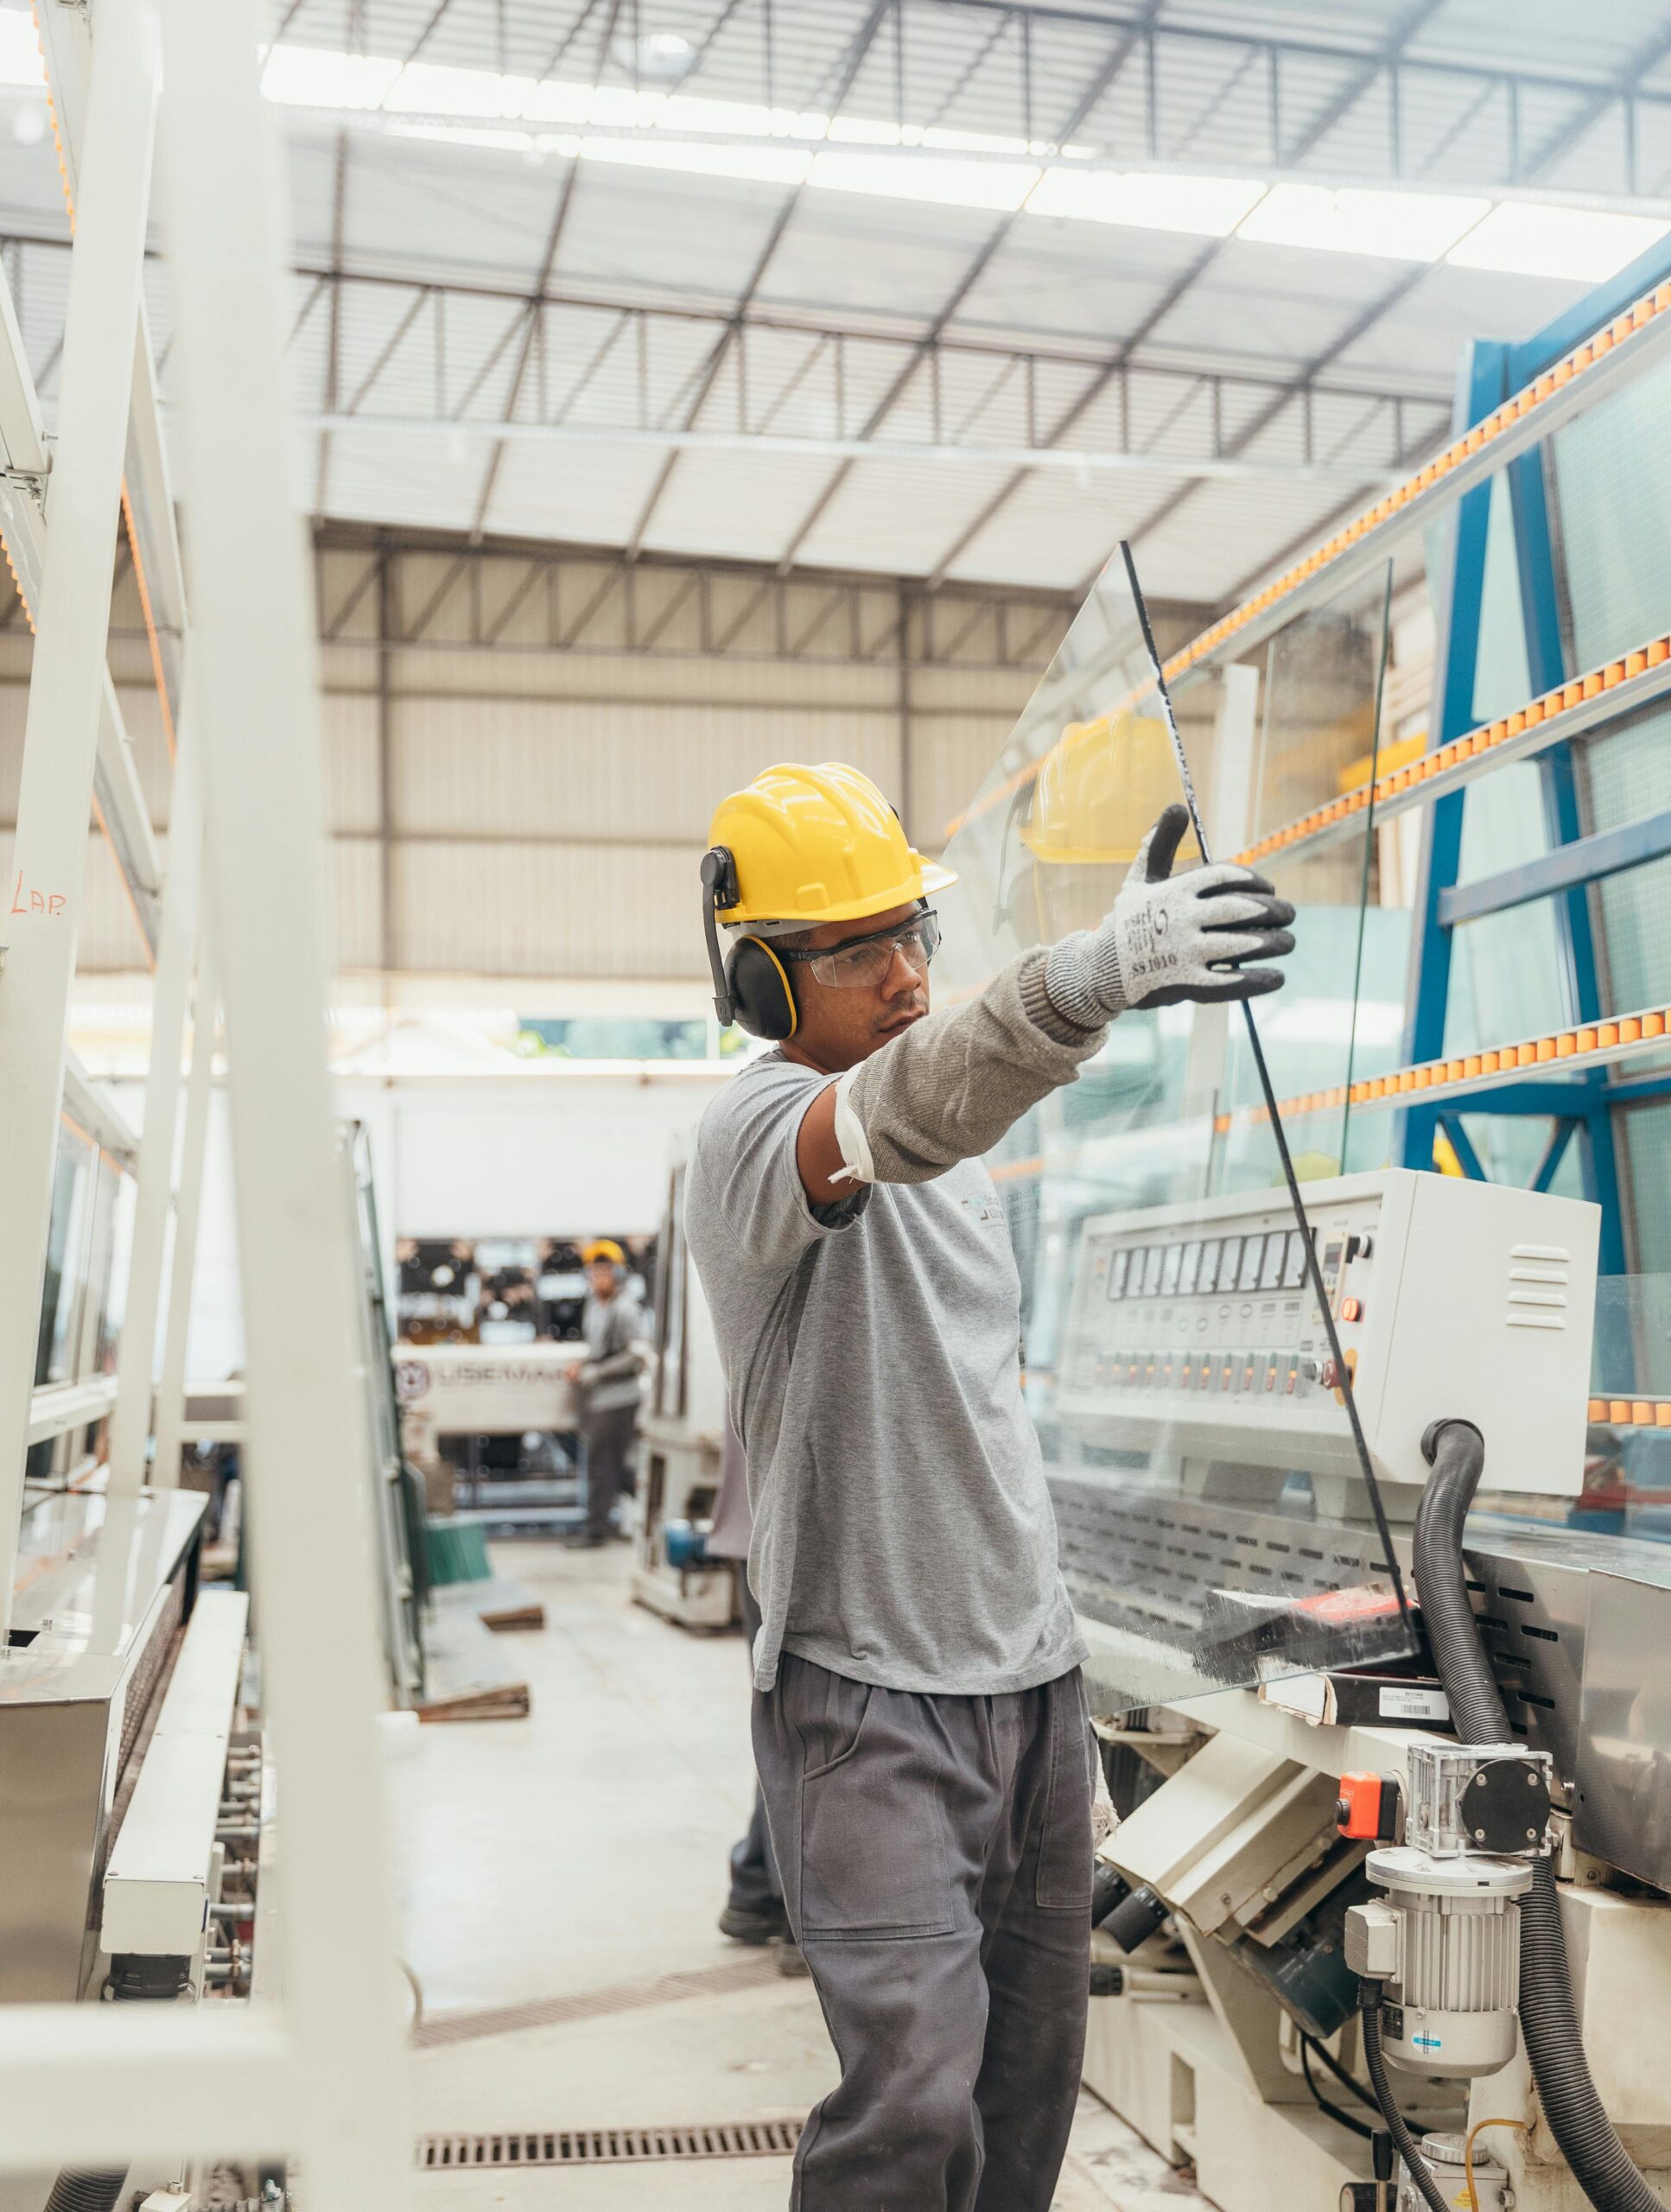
{"x": 930, "y": 288}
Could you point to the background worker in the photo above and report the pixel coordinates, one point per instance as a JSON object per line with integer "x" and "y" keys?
{"x": 608, "y": 1384}
{"x": 921, "y": 1728}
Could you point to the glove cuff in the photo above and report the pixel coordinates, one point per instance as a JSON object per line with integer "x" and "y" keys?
{"x": 1082, "y": 978}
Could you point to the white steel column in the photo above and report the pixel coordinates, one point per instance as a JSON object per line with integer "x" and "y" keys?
{"x": 131, "y": 1426}
{"x": 176, "y": 1334}
{"x": 42, "y": 906}
{"x": 308, "y": 1489}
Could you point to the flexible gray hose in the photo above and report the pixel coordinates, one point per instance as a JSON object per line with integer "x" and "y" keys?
{"x": 74, "y": 2192}
{"x": 1589, "y": 2142}
{"x": 1369, "y": 2005}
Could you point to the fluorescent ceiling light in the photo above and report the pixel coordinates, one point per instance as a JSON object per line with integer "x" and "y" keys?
{"x": 1522, "y": 238}
{"x": 428, "y": 88}
{"x": 1000, "y": 185}
{"x": 1393, "y": 226}
{"x": 313, "y": 76}
{"x": 1209, "y": 206}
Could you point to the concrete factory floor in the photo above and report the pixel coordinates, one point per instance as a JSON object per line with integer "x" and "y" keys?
{"x": 573, "y": 1864}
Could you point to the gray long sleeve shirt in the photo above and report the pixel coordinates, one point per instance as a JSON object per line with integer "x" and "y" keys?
{"x": 902, "y": 1531}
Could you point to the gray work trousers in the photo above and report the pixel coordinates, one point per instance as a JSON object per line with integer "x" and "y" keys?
{"x": 608, "y": 1438}
{"x": 936, "y": 1858}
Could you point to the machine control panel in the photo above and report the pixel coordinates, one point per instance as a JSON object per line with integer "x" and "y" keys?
{"x": 1199, "y": 1325}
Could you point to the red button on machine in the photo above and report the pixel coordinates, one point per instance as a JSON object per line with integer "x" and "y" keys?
{"x": 1352, "y": 1309}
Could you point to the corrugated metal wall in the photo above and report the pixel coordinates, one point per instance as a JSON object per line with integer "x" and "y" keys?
{"x": 520, "y": 787}
{"x": 546, "y": 813}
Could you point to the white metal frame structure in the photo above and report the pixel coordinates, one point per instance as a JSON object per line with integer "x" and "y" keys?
{"x": 315, "y": 2074}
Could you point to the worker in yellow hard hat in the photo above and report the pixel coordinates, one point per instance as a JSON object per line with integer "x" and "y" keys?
{"x": 921, "y": 1728}
{"x": 609, "y": 1386}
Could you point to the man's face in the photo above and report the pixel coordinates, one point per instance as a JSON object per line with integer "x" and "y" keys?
{"x": 601, "y": 1273}
{"x": 837, "y": 1028}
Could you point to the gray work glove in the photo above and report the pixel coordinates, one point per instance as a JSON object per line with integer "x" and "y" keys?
{"x": 1172, "y": 937}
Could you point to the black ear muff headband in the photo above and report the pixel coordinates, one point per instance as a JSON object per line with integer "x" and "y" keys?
{"x": 755, "y": 990}
{"x": 719, "y": 889}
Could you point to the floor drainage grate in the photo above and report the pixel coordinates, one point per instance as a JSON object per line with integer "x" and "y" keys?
{"x": 607, "y": 2147}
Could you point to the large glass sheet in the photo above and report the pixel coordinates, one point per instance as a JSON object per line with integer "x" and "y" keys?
{"x": 68, "y": 1255}
{"x": 1216, "y": 1519}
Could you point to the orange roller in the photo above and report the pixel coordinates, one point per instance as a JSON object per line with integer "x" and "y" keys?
{"x": 1592, "y": 685}
{"x": 1587, "y": 1040}
{"x": 1662, "y": 1413}
{"x": 1596, "y": 1409}
{"x": 1612, "y": 674}
{"x": 1544, "y": 386}
{"x": 1424, "y": 1078}
{"x": 1407, "y": 1080}
{"x": 1525, "y": 1055}
{"x": 1545, "y": 1048}
{"x": 1534, "y": 714}
{"x": 1498, "y": 732}
{"x": 1475, "y": 439}
{"x": 1662, "y": 296}
{"x": 1470, "y": 1067}
{"x": 1565, "y": 1045}
{"x": 1607, "y": 1036}
{"x": 1378, "y": 1086}
{"x": 1563, "y": 370}
{"x": 1487, "y": 1063}
{"x": 1653, "y": 1025}
{"x": 1629, "y": 1030}
{"x": 1571, "y": 695}
{"x": 1583, "y": 356}
{"x": 1601, "y": 343}
{"x": 1642, "y": 1414}
{"x": 1517, "y": 721}
{"x": 1635, "y": 663}
{"x": 1618, "y": 1409}
{"x": 1658, "y": 651}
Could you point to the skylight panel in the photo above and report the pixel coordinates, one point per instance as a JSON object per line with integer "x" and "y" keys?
{"x": 1390, "y": 225}
{"x": 1522, "y": 238}
{"x": 1207, "y": 206}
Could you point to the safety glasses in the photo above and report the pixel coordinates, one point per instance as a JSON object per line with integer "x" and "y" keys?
{"x": 864, "y": 961}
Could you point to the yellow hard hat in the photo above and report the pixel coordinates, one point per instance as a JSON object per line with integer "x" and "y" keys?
{"x": 1099, "y": 790}
{"x": 604, "y": 1248}
{"x": 812, "y": 845}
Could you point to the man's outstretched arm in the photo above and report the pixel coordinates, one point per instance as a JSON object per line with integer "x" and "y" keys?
{"x": 949, "y": 1086}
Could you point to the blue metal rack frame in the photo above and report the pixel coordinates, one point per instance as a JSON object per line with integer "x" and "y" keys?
{"x": 1582, "y": 1107}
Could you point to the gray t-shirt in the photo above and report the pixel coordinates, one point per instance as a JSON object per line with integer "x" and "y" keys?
{"x": 902, "y": 1532}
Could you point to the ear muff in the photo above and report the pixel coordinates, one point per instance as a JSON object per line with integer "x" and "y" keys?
{"x": 762, "y": 997}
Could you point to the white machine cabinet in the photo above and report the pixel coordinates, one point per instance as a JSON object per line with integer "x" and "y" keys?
{"x": 683, "y": 1430}
{"x": 1197, "y": 1325}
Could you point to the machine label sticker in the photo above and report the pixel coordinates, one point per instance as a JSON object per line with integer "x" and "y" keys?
{"x": 1401, "y": 1704}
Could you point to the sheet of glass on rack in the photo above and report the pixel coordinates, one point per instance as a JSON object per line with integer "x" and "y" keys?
{"x": 1216, "y": 1520}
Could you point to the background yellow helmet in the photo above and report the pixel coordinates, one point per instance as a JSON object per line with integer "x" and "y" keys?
{"x": 603, "y": 1247}
{"x": 811, "y": 845}
{"x": 1100, "y": 788}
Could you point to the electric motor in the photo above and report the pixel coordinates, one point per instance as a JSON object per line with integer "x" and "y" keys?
{"x": 1447, "y": 1945}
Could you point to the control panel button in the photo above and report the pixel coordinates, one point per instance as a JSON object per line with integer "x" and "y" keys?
{"x": 1352, "y": 1309}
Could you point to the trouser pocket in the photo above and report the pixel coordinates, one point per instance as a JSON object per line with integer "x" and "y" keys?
{"x": 872, "y": 1848}
{"x": 1065, "y": 1846}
